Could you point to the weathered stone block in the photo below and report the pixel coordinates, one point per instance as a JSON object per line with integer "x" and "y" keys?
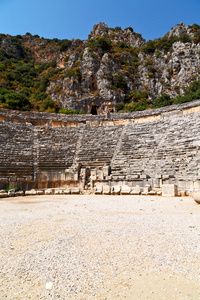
{"x": 19, "y": 193}
{"x": 3, "y": 179}
{"x": 98, "y": 190}
{"x": 106, "y": 190}
{"x": 116, "y": 189}
{"x": 40, "y": 192}
{"x": 100, "y": 174}
{"x": 125, "y": 190}
{"x": 93, "y": 174}
{"x": 58, "y": 192}
{"x": 196, "y": 196}
{"x": 169, "y": 190}
{"x": 144, "y": 193}
{"x": 3, "y": 195}
{"x": 135, "y": 176}
{"x": 29, "y": 178}
{"x": 156, "y": 183}
{"x": 11, "y": 193}
{"x": 189, "y": 185}
{"x": 120, "y": 177}
{"x": 49, "y": 192}
{"x": 75, "y": 176}
{"x": 20, "y": 179}
{"x": 67, "y": 191}
{"x": 197, "y": 185}
{"x": 68, "y": 175}
{"x": 136, "y": 190}
{"x": 182, "y": 193}
{"x": 147, "y": 188}
{"x": 106, "y": 170}
{"x": 13, "y": 179}
{"x": 30, "y": 192}
{"x": 12, "y": 183}
{"x": 143, "y": 176}
{"x": 75, "y": 190}
{"x": 152, "y": 193}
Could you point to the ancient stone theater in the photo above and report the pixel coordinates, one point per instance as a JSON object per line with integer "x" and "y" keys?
{"x": 151, "y": 151}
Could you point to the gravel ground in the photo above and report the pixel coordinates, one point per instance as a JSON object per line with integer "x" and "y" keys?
{"x": 99, "y": 247}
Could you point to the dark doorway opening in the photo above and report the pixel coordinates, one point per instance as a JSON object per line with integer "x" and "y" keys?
{"x": 94, "y": 110}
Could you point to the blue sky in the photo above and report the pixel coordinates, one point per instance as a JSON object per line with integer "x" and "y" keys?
{"x": 75, "y": 18}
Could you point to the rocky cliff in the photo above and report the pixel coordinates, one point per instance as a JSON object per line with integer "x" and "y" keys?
{"x": 111, "y": 66}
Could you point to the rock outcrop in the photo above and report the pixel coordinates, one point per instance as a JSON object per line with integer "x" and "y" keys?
{"x": 109, "y": 67}
{"x": 156, "y": 73}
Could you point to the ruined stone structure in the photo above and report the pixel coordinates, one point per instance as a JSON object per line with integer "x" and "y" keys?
{"x": 145, "y": 149}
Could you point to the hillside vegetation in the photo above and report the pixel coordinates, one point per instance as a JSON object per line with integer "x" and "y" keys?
{"x": 114, "y": 65}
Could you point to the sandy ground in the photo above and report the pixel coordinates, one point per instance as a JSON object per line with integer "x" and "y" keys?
{"x": 99, "y": 247}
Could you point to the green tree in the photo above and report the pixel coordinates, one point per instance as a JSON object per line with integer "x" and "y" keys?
{"x": 48, "y": 105}
{"x": 119, "y": 82}
{"x": 17, "y": 101}
{"x": 163, "y": 100}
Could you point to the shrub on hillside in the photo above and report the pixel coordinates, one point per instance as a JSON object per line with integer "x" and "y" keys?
{"x": 185, "y": 38}
{"x": 64, "y": 45}
{"x": 130, "y": 28}
{"x": 163, "y": 100}
{"x": 166, "y": 43}
{"x": 48, "y": 105}
{"x": 118, "y": 82}
{"x": 135, "y": 106}
{"x": 17, "y": 101}
{"x": 102, "y": 43}
{"x": 119, "y": 106}
{"x": 196, "y": 31}
{"x": 118, "y": 28}
{"x": 68, "y": 111}
{"x": 149, "y": 47}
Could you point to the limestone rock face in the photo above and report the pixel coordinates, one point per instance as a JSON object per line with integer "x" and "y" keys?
{"x": 179, "y": 30}
{"x": 127, "y": 35}
{"x": 111, "y": 65}
{"x": 92, "y": 69}
{"x": 99, "y": 29}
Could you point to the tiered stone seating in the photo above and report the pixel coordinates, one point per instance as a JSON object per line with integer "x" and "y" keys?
{"x": 98, "y": 145}
{"x": 15, "y": 150}
{"x": 55, "y": 148}
{"x": 166, "y": 146}
{"x": 147, "y": 148}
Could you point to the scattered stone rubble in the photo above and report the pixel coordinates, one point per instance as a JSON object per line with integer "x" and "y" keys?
{"x": 168, "y": 190}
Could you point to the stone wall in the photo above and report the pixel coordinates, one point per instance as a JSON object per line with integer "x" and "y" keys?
{"x": 149, "y": 148}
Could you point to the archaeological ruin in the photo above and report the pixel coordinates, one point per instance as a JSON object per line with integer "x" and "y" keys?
{"x": 149, "y": 151}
